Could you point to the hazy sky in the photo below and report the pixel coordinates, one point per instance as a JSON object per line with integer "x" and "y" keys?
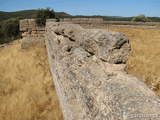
{"x": 126, "y": 8}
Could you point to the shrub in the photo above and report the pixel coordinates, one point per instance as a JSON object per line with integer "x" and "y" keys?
{"x": 42, "y": 15}
{"x": 1, "y": 33}
{"x": 9, "y": 30}
{"x": 141, "y": 18}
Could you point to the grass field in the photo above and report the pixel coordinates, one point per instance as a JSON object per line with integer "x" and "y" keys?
{"x": 27, "y": 91}
{"x": 144, "y": 60}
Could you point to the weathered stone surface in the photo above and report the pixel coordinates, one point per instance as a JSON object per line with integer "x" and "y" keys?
{"x": 24, "y": 25}
{"x": 89, "y": 88}
{"x": 29, "y": 25}
{"x": 109, "y": 46}
{"x": 51, "y": 20}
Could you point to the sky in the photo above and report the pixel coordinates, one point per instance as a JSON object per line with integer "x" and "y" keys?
{"x": 125, "y": 8}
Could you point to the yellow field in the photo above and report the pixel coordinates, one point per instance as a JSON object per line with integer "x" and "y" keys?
{"x": 26, "y": 87}
{"x": 144, "y": 60}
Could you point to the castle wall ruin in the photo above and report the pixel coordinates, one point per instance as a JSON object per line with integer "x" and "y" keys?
{"x": 88, "y": 70}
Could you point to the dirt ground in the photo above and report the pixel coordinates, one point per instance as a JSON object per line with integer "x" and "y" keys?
{"x": 27, "y": 91}
{"x": 144, "y": 60}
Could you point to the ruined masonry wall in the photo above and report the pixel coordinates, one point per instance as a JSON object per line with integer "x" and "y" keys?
{"x": 88, "y": 70}
{"x": 31, "y": 33}
{"x": 98, "y": 22}
{"x": 89, "y": 74}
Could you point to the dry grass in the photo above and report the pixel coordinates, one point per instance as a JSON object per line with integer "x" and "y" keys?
{"x": 27, "y": 91}
{"x": 144, "y": 60}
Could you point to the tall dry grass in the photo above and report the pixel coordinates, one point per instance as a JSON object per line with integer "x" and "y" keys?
{"x": 27, "y": 91}
{"x": 144, "y": 60}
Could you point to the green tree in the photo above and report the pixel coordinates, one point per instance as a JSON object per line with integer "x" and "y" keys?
{"x": 140, "y": 18}
{"x": 10, "y": 30}
{"x": 42, "y": 15}
{"x": 1, "y": 33}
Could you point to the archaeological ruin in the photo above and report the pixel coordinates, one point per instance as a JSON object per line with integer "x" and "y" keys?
{"x": 88, "y": 69}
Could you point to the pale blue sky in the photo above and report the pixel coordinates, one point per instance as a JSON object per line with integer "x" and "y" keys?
{"x": 126, "y": 8}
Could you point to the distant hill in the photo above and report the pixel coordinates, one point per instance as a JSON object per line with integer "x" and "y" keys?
{"x": 22, "y": 14}
{"x": 62, "y": 15}
{"x": 25, "y": 14}
{"x": 106, "y": 18}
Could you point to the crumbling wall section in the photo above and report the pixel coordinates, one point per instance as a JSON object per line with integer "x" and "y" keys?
{"x": 31, "y": 33}
{"x": 88, "y": 67}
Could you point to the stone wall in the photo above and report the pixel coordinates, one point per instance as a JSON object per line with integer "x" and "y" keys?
{"x": 31, "y": 33}
{"x": 130, "y": 24}
{"x": 98, "y": 22}
{"x": 88, "y": 69}
{"x": 83, "y": 20}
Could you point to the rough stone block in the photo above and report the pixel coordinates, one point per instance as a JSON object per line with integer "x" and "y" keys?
{"x": 107, "y": 45}
{"x": 76, "y": 19}
{"x": 51, "y": 20}
{"x": 67, "y": 19}
{"x": 23, "y": 25}
{"x": 84, "y": 19}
